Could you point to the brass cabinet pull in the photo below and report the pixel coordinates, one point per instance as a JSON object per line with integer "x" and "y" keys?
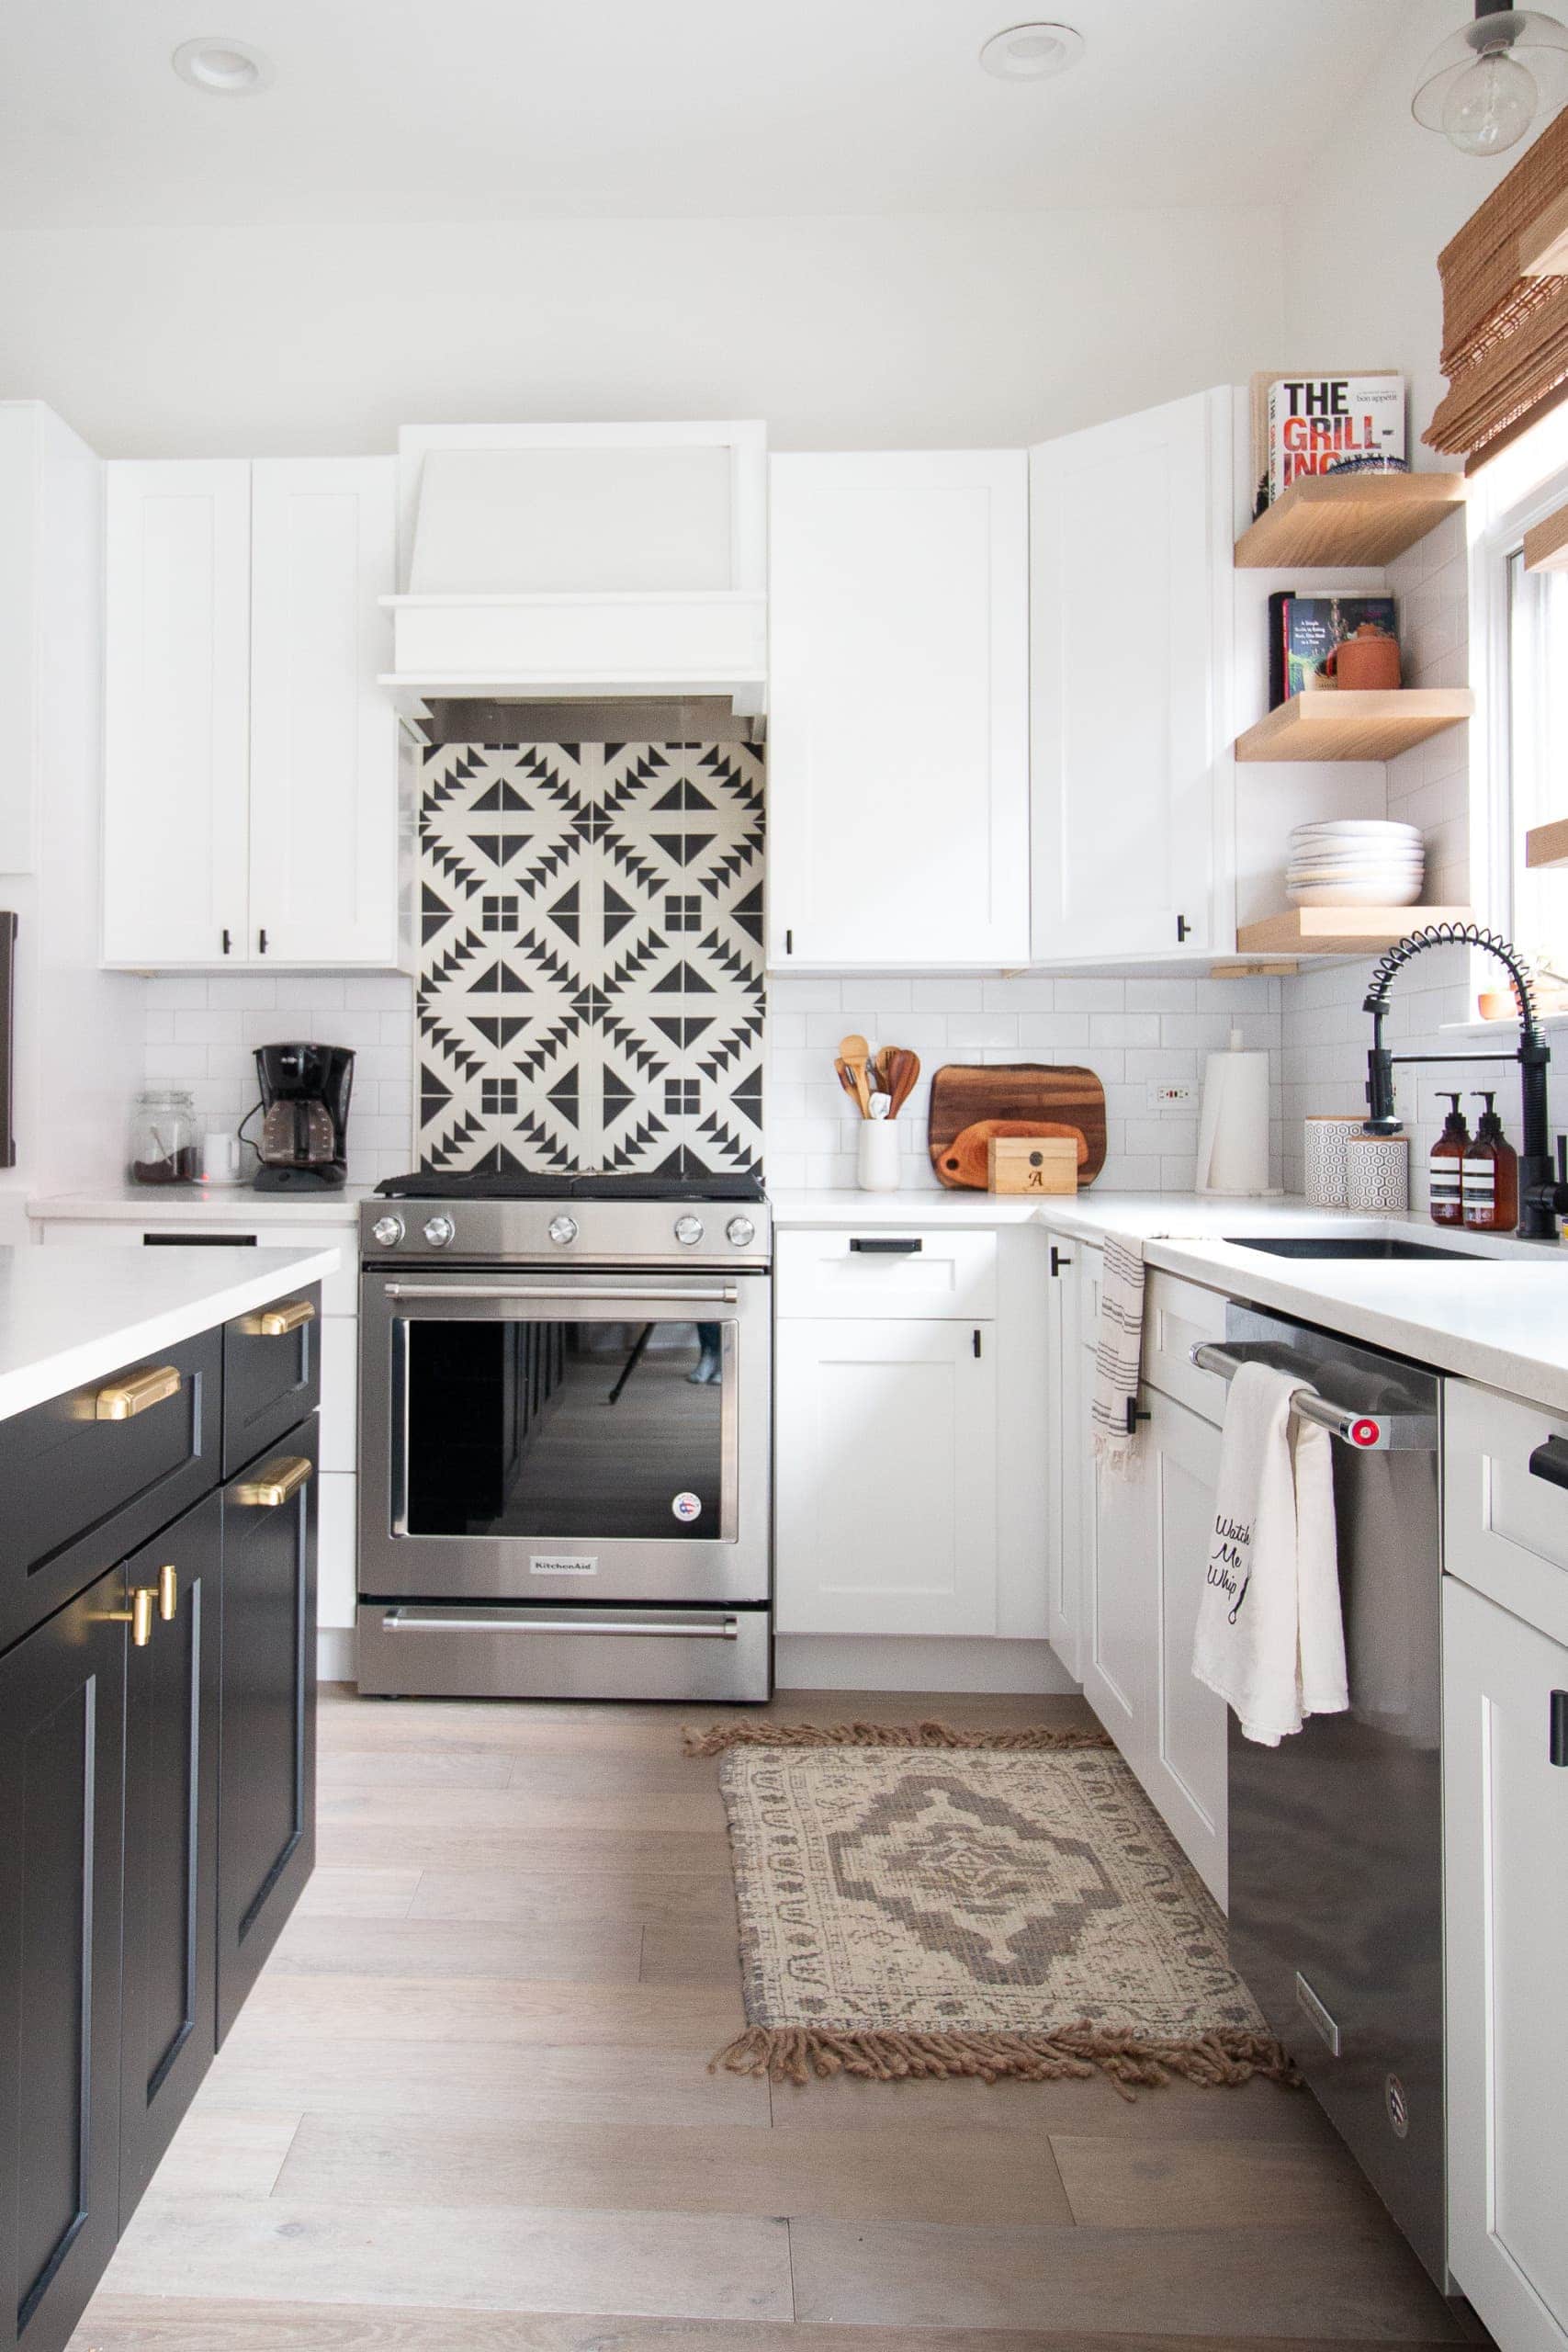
{"x": 123, "y": 1399}
{"x": 138, "y": 1616}
{"x": 273, "y": 1483}
{"x": 168, "y": 1592}
{"x": 277, "y": 1322}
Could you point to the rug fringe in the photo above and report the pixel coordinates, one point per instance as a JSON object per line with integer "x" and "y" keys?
{"x": 766, "y": 1733}
{"x": 1220, "y": 2060}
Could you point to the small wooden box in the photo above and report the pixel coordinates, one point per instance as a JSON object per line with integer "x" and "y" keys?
{"x": 1032, "y": 1164}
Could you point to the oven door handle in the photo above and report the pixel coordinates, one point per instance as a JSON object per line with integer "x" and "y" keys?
{"x": 563, "y": 1293}
{"x": 443, "y": 1620}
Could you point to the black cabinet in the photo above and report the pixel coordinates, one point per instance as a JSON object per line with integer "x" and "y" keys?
{"x": 87, "y": 1476}
{"x": 62, "y": 1750}
{"x": 268, "y": 1751}
{"x": 272, "y": 1375}
{"x": 168, "y": 2029}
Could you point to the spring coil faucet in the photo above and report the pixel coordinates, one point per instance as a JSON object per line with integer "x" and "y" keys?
{"x": 1543, "y": 1194}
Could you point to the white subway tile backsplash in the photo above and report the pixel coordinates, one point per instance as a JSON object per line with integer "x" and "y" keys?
{"x": 952, "y": 995}
{"x": 1124, "y": 1029}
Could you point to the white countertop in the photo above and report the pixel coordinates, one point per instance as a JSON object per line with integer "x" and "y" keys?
{"x": 200, "y": 1203}
{"x": 1503, "y": 1321}
{"x": 68, "y": 1316}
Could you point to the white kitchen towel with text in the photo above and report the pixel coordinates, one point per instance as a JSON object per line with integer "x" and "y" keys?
{"x": 1270, "y": 1636}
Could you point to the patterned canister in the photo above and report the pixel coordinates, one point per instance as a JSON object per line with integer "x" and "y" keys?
{"x": 1327, "y": 1141}
{"x": 1379, "y": 1172}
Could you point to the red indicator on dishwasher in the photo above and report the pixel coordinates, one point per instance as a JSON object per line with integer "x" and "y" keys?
{"x": 1364, "y": 1434}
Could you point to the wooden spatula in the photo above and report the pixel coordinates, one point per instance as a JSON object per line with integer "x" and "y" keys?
{"x": 855, "y": 1053}
{"x": 903, "y": 1076}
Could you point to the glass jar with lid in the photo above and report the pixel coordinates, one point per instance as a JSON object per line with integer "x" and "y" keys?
{"x": 164, "y": 1147}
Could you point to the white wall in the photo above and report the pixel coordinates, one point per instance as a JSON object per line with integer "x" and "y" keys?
{"x": 984, "y": 328}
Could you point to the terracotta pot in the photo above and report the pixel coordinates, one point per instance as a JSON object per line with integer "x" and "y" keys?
{"x": 1365, "y": 664}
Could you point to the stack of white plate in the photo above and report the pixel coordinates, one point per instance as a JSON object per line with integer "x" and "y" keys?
{"x": 1356, "y": 861}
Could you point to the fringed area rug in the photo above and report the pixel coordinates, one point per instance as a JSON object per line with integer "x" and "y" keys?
{"x": 917, "y": 1901}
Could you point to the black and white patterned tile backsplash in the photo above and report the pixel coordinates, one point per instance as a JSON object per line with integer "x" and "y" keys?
{"x": 590, "y": 960}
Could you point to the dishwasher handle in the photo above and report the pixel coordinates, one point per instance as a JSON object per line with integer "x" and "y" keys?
{"x": 1365, "y": 1432}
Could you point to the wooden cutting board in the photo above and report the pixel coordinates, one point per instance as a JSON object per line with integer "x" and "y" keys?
{"x": 966, "y": 1160}
{"x": 1042, "y": 1095}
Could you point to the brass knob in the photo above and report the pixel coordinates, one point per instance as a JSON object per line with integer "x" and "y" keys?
{"x": 168, "y": 1592}
{"x": 142, "y": 1598}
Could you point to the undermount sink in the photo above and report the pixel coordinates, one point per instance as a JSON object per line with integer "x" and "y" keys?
{"x": 1360, "y": 1245}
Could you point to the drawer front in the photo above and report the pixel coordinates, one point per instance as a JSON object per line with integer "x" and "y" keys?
{"x": 272, "y": 1372}
{"x": 1176, "y": 1315}
{"x": 912, "y": 1273}
{"x": 83, "y": 1489}
{"x": 340, "y": 1291}
{"x": 1506, "y": 1523}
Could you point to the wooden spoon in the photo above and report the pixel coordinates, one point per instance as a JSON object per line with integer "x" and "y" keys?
{"x": 845, "y": 1080}
{"x": 904, "y": 1076}
{"x": 855, "y": 1053}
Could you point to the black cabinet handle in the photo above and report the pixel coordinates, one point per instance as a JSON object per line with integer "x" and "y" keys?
{"x": 976, "y": 1343}
{"x": 878, "y": 1248}
{"x": 789, "y": 942}
{"x": 1549, "y": 1461}
{"x": 1134, "y": 1417}
{"x": 1057, "y": 1260}
{"x": 261, "y": 942}
{"x": 1182, "y": 928}
{"x": 226, "y": 942}
{"x": 1557, "y": 1740}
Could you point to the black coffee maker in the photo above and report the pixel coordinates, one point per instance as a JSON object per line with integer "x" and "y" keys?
{"x": 304, "y": 1114}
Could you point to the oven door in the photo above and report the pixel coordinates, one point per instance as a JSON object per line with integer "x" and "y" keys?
{"x": 596, "y": 1437}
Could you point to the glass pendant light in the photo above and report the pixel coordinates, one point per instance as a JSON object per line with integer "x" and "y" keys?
{"x": 1484, "y": 86}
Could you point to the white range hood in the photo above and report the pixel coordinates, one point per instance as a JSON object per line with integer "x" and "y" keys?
{"x": 582, "y": 562}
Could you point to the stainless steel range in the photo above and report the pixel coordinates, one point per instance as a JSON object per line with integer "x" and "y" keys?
{"x": 565, "y": 1453}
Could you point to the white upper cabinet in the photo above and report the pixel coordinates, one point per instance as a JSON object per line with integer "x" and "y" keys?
{"x": 251, "y": 768}
{"x": 176, "y": 704}
{"x": 323, "y": 839}
{"x": 1130, "y": 586}
{"x": 897, "y": 755}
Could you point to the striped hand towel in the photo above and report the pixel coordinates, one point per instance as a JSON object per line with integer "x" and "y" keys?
{"x": 1117, "y": 1349}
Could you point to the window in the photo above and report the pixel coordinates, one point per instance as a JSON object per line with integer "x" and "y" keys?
{"x": 1538, "y": 755}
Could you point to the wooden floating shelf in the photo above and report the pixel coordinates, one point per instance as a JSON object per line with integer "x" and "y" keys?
{"x": 1547, "y": 844}
{"x": 1324, "y": 724}
{"x": 1347, "y": 519}
{"x": 1339, "y": 931}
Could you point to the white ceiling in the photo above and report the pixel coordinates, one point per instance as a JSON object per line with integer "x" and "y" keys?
{"x": 455, "y": 109}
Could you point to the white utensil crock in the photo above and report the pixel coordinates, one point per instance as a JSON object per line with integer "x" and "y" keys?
{"x": 877, "y": 1157}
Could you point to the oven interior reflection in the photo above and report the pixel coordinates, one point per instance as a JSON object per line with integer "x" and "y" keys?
{"x": 567, "y": 1430}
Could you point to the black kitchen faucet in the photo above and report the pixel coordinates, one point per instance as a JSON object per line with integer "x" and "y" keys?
{"x": 1543, "y": 1195}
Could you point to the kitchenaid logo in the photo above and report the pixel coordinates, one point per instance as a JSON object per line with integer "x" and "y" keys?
{"x": 563, "y": 1563}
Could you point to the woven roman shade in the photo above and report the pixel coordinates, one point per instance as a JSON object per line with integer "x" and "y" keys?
{"x": 1505, "y": 328}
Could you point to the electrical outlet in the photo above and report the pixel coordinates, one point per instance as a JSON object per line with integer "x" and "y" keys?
{"x": 1170, "y": 1098}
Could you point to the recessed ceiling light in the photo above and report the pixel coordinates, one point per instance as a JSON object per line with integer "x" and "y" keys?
{"x": 230, "y": 69}
{"x": 1031, "y": 53}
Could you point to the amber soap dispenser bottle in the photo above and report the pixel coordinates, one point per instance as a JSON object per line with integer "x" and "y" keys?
{"x": 1490, "y": 1179}
{"x": 1445, "y": 1168}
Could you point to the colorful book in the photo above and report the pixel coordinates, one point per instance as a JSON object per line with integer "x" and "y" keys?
{"x": 1319, "y": 424}
{"x": 1304, "y": 631}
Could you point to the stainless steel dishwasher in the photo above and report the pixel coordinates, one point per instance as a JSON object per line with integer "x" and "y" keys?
{"x": 1336, "y": 1835}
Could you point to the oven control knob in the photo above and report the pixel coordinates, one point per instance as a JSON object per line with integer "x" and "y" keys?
{"x": 742, "y": 1231}
{"x": 389, "y": 1231}
{"x": 688, "y": 1231}
{"x": 562, "y": 1231}
{"x": 438, "y": 1231}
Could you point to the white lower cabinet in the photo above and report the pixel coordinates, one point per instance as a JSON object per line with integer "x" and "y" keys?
{"x": 885, "y": 1445}
{"x": 1143, "y": 1579}
{"x": 1506, "y": 1843}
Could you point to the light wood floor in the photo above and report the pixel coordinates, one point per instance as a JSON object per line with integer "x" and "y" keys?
{"x": 468, "y": 2110}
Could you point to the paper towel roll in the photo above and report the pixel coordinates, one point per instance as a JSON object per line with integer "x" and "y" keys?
{"x": 1233, "y": 1129}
